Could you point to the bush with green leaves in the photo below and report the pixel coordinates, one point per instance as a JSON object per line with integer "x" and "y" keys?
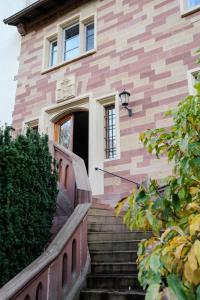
{"x": 28, "y": 190}
{"x": 169, "y": 262}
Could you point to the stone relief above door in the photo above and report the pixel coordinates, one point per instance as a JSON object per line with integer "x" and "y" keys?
{"x": 65, "y": 89}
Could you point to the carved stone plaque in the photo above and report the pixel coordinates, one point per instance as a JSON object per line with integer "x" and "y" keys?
{"x": 65, "y": 89}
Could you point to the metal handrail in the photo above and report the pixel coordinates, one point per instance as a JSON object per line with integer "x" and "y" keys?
{"x": 123, "y": 178}
{"x": 160, "y": 189}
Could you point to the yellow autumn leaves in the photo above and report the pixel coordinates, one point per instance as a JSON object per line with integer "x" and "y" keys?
{"x": 192, "y": 265}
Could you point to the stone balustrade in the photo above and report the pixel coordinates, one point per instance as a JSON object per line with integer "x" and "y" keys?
{"x": 60, "y": 271}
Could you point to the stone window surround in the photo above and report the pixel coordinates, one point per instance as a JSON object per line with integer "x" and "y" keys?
{"x": 60, "y": 42}
{"x": 31, "y": 123}
{"x": 185, "y": 11}
{"x": 191, "y": 79}
{"x": 50, "y": 114}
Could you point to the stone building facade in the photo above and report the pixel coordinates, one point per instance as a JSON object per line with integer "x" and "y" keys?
{"x": 147, "y": 47}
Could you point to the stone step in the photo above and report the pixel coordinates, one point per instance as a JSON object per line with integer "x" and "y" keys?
{"x": 113, "y": 256}
{"x": 101, "y": 212}
{"x": 104, "y": 294}
{"x": 104, "y": 219}
{"x": 94, "y": 227}
{"x": 117, "y": 245}
{"x": 118, "y": 236}
{"x": 114, "y": 268}
{"x": 99, "y": 205}
{"x": 113, "y": 281}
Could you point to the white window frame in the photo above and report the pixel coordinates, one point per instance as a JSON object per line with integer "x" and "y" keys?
{"x": 185, "y": 10}
{"x": 63, "y": 41}
{"x": 60, "y": 36}
{"x": 86, "y": 22}
{"x": 191, "y": 79}
{"x": 101, "y": 104}
{"x": 107, "y": 148}
{"x": 31, "y": 123}
{"x": 50, "y": 52}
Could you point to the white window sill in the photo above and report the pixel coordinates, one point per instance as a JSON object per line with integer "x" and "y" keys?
{"x": 186, "y": 12}
{"x": 66, "y": 62}
{"x": 111, "y": 159}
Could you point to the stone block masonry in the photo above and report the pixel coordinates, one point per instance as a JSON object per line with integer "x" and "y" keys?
{"x": 143, "y": 46}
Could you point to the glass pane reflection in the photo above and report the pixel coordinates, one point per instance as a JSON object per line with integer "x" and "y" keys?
{"x": 65, "y": 133}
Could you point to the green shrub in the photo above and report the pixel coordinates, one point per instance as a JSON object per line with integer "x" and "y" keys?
{"x": 28, "y": 189}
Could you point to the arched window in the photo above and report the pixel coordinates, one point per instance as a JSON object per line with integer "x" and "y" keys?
{"x": 74, "y": 257}
{"x": 27, "y": 297}
{"x": 39, "y": 292}
{"x": 64, "y": 131}
{"x": 64, "y": 271}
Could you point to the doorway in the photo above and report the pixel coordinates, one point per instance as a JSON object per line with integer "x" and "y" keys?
{"x": 72, "y": 132}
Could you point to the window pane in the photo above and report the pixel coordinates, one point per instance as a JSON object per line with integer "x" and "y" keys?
{"x": 71, "y": 54}
{"x": 90, "y": 29}
{"x": 65, "y": 133}
{"x": 90, "y": 43}
{"x": 53, "y": 53}
{"x": 72, "y": 41}
{"x": 110, "y": 132}
{"x": 89, "y": 36}
{"x": 192, "y": 3}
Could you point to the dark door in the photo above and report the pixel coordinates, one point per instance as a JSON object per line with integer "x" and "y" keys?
{"x": 80, "y": 135}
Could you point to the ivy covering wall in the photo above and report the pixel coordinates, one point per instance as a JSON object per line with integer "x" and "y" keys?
{"x": 28, "y": 190}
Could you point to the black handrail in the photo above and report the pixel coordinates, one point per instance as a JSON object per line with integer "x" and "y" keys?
{"x": 123, "y": 178}
{"x": 160, "y": 189}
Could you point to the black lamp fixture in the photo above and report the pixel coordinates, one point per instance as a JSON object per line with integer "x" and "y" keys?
{"x": 124, "y": 98}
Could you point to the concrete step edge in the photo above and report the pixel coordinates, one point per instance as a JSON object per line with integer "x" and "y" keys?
{"x": 113, "y": 292}
{"x": 111, "y": 241}
{"x": 112, "y": 251}
{"x": 106, "y": 275}
{"x": 111, "y": 232}
{"x": 113, "y": 263}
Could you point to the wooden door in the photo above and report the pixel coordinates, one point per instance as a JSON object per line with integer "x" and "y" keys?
{"x": 64, "y": 132}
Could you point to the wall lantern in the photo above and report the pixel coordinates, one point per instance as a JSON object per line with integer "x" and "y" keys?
{"x": 124, "y": 98}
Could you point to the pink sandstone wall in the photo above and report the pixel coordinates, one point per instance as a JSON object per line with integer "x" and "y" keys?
{"x": 144, "y": 46}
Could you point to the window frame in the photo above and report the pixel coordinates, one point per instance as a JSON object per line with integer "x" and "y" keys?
{"x": 101, "y": 103}
{"x": 191, "y": 79}
{"x": 85, "y": 35}
{"x": 57, "y": 126}
{"x": 50, "y": 52}
{"x": 32, "y": 124}
{"x": 110, "y": 152}
{"x": 187, "y": 11}
{"x": 64, "y": 40}
{"x": 59, "y": 35}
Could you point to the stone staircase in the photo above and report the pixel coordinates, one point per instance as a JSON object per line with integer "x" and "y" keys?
{"x": 113, "y": 251}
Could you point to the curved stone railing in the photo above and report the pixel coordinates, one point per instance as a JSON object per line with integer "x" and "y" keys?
{"x": 59, "y": 273}
{"x": 74, "y": 186}
{"x": 61, "y": 270}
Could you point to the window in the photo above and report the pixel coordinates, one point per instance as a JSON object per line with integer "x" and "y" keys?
{"x": 74, "y": 39}
{"x": 189, "y": 6}
{"x": 110, "y": 132}
{"x": 192, "y": 79}
{"x": 89, "y": 36}
{"x": 71, "y": 42}
{"x": 65, "y": 133}
{"x": 53, "y": 48}
{"x": 192, "y": 3}
{"x": 33, "y": 124}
